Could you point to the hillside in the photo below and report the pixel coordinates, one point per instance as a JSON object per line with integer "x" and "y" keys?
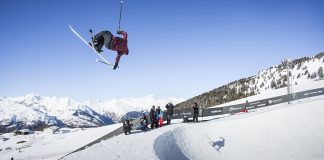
{"x": 276, "y": 132}
{"x": 270, "y": 133}
{"x": 303, "y": 70}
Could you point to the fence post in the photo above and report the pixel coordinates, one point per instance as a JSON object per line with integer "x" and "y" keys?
{"x": 287, "y": 64}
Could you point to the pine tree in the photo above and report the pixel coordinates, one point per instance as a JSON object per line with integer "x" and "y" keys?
{"x": 313, "y": 76}
{"x": 273, "y": 84}
{"x": 320, "y": 72}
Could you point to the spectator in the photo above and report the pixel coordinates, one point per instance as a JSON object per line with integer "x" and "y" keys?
{"x": 127, "y": 127}
{"x": 244, "y": 107}
{"x": 153, "y": 118}
{"x": 196, "y": 112}
{"x": 169, "y": 112}
{"x": 159, "y": 116}
{"x": 144, "y": 123}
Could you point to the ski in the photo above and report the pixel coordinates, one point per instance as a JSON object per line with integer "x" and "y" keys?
{"x": 104, "y": 61}
{"x": 98, "y": 60}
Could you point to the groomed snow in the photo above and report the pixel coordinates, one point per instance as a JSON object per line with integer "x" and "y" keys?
{"x": 284, "y": 132}
{"x": 46, "y": 145}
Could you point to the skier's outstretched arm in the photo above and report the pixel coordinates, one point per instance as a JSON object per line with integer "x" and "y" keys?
{"x": 125, "y": 35}
{"x": 117, "y": 60}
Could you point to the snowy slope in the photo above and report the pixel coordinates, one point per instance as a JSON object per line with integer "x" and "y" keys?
{"x": 277, "y": 92}
{"x": 284, "y": 132}
{"x": 46, "y": 145}
{"x": 281, "y": 131}
{"x": 302, "y": 71}
{"x": 12, "y": 113}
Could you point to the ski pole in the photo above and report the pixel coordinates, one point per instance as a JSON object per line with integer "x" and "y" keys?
{"x": 120, "y": 13}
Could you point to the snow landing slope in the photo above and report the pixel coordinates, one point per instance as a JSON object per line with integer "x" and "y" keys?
{"x": 46, "y": 145}
{"x": 283, "y": 131}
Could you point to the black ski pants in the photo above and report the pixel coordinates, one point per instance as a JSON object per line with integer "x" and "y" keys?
{"x": 104, "y": 38}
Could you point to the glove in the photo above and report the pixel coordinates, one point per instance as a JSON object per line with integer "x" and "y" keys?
{"x": 115, "y": 66}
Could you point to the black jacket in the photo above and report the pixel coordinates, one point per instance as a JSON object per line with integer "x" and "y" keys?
{"x": 195, "y": 108}
{"x": 152, "y": 114}
{"x": 169, "y": 108}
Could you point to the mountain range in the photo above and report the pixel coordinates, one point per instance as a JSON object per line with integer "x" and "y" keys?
{"x": 37, "y": 112}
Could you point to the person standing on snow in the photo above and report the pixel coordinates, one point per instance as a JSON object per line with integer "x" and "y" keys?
{"x": 169, "y": 112}
{"x": 196, "y": 112}
{"x": 244, "y": 108}
{"x": 159, "y": 116}
{"x": 153, "y": 118}
{"x": 111, "y": 42}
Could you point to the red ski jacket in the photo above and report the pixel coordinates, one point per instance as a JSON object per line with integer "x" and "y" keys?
{"x": 120, "y": 45}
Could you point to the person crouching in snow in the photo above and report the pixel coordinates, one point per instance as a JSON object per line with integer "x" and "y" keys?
{"x": 127, "y": 127}
{"x": 144, "y": 123}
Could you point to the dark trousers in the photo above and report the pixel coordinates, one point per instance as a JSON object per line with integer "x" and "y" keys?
{"x": 127, "y": 129}
{"x": 195, "y": 118}
{"x": 155, "y": 123}
{"x": 104, "y": 38}
{"x": 168, "y": 119}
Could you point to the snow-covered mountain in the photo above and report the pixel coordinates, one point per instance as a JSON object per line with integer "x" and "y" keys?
{"x": 284, "y": 131}
{"x": 36, "y": 112}
{"x": 116, "y": 108}
{"x": 302, "y": 70}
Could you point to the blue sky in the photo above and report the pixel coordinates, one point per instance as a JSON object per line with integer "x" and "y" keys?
{"x": 178, "y": 48}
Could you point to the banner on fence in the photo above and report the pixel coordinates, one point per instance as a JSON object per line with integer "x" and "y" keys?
{"x": 232, "y": 109}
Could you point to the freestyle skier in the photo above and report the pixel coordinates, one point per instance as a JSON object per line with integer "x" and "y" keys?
{"x": 111, "y": 42}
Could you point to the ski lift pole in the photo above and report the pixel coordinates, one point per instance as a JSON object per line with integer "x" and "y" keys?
{"x": 120, "y": 13}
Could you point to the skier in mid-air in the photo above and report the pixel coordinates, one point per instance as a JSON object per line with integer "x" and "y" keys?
{"x": 111, "y": 42}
